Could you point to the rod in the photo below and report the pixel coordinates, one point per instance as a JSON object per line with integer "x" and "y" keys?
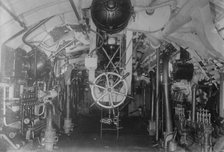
{"x": 152, "y": 92}
{"x": 193, "y": 108}
{"x": 75, "y": 10}
{"x": 157, "y": 91}
{"x": 77, "y": 15}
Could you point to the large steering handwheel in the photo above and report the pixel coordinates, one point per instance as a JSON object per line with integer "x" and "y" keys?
{"x": 109, "y": 90}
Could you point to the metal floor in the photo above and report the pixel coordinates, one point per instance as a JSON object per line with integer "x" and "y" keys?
{"x": 92, "y": 143}
{"x": 86, "y": 138}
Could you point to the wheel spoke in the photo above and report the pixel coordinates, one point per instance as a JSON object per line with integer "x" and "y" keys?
{"x": 122, "y": 94}
{"x": 98, "y": 86}
{"x": 117, "y": 83}
{"x": 101, "y": 97}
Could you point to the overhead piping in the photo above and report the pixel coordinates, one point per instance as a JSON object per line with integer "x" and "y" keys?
{"x": 22, "y": 24}
{"x": 33, "y": 29}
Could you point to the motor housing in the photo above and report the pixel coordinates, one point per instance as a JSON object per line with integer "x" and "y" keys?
{"x": 111, "y": 16}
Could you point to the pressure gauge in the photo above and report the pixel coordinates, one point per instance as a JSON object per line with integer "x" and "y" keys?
{"x": 26, "y": 121}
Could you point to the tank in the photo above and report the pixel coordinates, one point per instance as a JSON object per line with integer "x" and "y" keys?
{"x": 111, "y": 16}
{"x": 43, "y": 64}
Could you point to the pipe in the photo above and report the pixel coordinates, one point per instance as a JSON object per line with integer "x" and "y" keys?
{"x": 169, "y": 125}
{"x": 49, "y": 117}
{"x": 169, "y": 138}
{"x": 152, "y": 126}
{"x": 193, "y": 108}
{"x": 78, "y": 16}
{"x": 152, "y": 96}
{"x": 33, "y": 29}
{"x": 68, "y": 102}
{"x": 155, "y": 6}
{"x": 75, "y": 10}
{"x": 157, "y": 91}
{"x": 50, "y": 134}
{"x": 206, "y": 142}
{"x": 68, "y": 125}
{"x": 221, "y": 96}
{"x": 22, "y": 24}
{"x": 207, "y": 147}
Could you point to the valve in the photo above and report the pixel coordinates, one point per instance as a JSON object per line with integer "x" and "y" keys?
{"x": 109, "y": 90}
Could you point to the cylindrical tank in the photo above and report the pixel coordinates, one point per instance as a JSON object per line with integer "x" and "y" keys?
{"x": 43, "y": 64}
{"x": 111, "y": 16}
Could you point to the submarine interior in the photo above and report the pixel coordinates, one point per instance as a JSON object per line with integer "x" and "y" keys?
{"x": 112, "y": 75}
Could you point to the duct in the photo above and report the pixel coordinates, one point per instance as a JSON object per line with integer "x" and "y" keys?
{"x": 205, "y": 29}
{"x": 183, "y": 16}
{"x": 202, "y": 23}
{"x": 180, "y": 19}
{"x": 151, "y": 7}
{"x": 150, "y": 23}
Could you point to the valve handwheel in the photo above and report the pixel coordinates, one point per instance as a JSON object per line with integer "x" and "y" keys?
{"x": 109, "y": 90}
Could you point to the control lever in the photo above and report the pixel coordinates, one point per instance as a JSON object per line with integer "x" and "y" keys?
{"x": 126, "y": 75}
